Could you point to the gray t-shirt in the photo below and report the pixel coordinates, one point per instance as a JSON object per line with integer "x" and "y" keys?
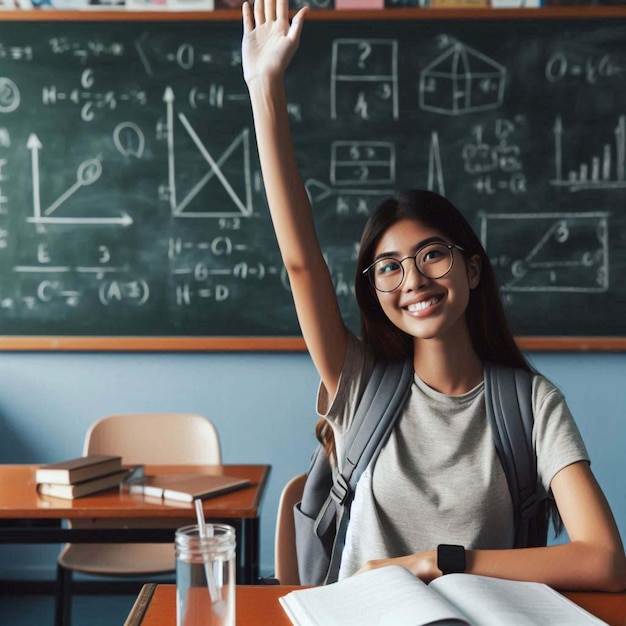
{"x": 438, "y": 478}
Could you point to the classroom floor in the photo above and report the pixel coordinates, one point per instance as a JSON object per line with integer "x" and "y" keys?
{"x": 38, "y": 610}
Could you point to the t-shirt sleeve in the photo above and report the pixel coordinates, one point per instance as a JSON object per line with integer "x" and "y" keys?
{"x": 556, "y": 437}
{"x": 356, "y": 370}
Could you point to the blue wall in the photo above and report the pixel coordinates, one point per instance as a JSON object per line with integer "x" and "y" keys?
{"x": 263, "y": 406}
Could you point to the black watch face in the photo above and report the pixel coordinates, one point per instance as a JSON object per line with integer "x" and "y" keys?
{"x": 451, "y": 558}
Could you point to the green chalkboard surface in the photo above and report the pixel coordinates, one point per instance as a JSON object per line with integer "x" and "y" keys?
{"x": 131, "y": 201}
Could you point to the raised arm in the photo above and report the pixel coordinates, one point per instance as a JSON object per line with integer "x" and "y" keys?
{"x": 269, "y": 43}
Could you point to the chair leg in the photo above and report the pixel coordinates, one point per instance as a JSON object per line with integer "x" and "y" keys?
{"x": 63, "y": 598}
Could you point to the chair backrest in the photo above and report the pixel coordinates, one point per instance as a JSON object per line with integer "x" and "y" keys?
{"x": 285, "y": 558}
{"x": 155, "y": 438}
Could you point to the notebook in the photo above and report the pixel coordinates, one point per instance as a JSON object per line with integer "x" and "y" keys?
{"x": 187, "y": 487}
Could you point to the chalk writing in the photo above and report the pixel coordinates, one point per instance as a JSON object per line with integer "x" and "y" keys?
{"x": 132, "y": 201}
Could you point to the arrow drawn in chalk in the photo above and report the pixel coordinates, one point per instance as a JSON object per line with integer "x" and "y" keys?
{"x": 88, "y": 172}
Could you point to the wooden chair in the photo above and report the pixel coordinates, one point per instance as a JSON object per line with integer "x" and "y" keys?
{"x": 140, "y": 438}
{"x": 285, "y": 559}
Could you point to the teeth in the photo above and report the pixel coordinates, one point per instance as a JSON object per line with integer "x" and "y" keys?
{"x": 420, "y": 306}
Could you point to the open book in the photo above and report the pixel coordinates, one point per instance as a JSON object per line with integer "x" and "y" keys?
{"x": 392, "y": 595}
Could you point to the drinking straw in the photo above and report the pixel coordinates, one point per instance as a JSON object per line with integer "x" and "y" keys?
{"x": 207, "y": 531}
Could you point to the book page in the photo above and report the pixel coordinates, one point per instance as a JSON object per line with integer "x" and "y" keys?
{"x": 493, "y": 602}
{"x": 388, "y": 595}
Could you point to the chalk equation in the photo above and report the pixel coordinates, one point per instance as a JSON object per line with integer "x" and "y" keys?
{"x": 364, "y": 78}
{"x": 590, "y": 69}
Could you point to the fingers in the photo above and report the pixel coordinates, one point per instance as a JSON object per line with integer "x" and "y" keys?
{"x": 248, "y": 21}
{"x": 270, "y": 10}
{"x": 259, "y": 12}
{"x": 282, "y": 10}
{"x": 296, "y": 25}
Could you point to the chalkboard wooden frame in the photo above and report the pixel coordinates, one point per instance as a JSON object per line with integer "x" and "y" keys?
{"x": 209, "y": 343}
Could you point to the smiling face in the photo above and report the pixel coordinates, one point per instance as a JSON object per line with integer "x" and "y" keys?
{"x": 422, "y": 307}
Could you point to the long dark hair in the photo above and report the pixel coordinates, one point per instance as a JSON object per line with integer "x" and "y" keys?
{"x": 489, "y": 330}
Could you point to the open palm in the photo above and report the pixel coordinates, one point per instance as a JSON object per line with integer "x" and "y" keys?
{"x": 269, "y": 40}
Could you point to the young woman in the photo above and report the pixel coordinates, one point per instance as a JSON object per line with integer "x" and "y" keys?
{"x": 427, "y": 292}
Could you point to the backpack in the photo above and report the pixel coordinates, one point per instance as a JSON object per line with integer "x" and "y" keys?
{"x": 321, "y": 517}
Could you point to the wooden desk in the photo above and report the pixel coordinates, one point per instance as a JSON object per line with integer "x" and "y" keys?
{"x": 28, "y": 517}
{"x": 259, "y": 606}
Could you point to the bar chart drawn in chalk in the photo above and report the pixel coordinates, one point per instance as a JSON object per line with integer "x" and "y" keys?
{"x": 239, "y": 193}
{"x": 87, "y": 173}
{"x": 461, "y": 80}
{"x": 606, "y": 170}
{"x": 548, "y": 252}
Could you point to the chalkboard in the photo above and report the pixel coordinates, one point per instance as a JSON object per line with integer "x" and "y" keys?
{"x": 132, "y": 206}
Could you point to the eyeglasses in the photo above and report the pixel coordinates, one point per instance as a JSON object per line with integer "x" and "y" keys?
{"x": 433, "y": 260}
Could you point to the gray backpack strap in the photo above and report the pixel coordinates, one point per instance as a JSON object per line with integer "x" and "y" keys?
{"x": 383, "y": 399}
{"x": 508, "y": 400}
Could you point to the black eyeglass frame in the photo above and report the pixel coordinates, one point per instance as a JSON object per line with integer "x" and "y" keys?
{"x": 450, "y": 246}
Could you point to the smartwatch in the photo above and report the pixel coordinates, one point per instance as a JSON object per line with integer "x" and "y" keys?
{"x": 450, "y": 558}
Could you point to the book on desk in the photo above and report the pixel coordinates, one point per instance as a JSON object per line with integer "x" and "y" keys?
{"x": 82, "y": 476}
{"x": 84, "y": 488}
{"x": 78, "y": 469}
{"x": 392, "y": 595}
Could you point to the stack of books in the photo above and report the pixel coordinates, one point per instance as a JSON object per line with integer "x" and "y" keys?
{"x": 80, "y": 477}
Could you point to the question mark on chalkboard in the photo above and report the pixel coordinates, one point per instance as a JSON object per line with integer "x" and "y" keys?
{"x": 366, "y": 50}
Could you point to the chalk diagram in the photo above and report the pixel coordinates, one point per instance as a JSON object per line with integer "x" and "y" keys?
{"x": 87, "y": 173}
{"x": 240, "y": 193}
{"x": 354, "y": 166}
{"x": 435, "y": 170}
{"x": 362, "y": 162}
{"x": 601, "y": 171}
{"x": 461, "y": 80}
{"x": 550, "y": 252}
{"x": 9, "y": 95}
{"x": 364, "y": 78}
{"x": 495, "y": 166}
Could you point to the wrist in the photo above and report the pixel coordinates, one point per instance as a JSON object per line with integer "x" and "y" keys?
{"x": 423, "y": 565}
{"x": 263, "y": 83}
{"x": 267, "y": 93}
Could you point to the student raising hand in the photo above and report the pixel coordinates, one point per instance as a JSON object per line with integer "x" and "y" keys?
{"x": 427, "y": 293}
{"x": 269, "y": 43}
